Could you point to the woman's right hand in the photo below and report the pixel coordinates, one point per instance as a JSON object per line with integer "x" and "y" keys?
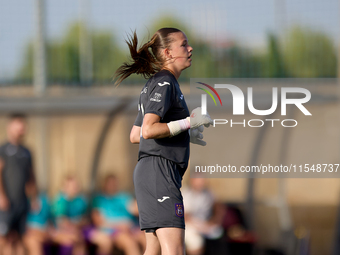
{"x": 197, "y": 119}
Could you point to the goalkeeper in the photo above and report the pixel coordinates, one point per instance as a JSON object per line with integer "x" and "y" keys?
{"x": 162, "y": 131}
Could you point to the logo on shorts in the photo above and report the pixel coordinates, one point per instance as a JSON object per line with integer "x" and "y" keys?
{"x": 179, "y": 210}
{"x": 163, "y": 199}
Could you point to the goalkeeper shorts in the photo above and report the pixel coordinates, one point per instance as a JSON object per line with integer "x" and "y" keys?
{"x": 157, "y": 186}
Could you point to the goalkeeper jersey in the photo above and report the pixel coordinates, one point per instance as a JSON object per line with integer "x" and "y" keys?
{"x": 162, "y": 96}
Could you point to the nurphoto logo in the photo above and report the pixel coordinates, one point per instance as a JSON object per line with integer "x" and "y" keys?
{"x": 239, "y": 104}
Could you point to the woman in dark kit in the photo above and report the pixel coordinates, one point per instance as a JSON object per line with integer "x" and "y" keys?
{"x": 162, "y": 131}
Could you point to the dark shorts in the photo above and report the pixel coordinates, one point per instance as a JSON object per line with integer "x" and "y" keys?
{"x": 14, "y": 220}
{"x": 157, "y": 186}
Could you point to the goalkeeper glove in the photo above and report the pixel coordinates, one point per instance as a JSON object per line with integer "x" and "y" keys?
{"x": 196, "y": 136}
{"x": 197, "y": 119}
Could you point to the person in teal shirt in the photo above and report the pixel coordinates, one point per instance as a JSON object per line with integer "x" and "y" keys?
{"x": 38, "y": 216}
{"x": 112, "y": 214}
{"x": 69, "y": 209}
{"x": 73, "y": 208}
{"x": 115, "y": 209}
{"x": 37, "y": 223}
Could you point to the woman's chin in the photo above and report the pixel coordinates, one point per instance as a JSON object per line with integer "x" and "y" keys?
{"x": 187, "y": 64}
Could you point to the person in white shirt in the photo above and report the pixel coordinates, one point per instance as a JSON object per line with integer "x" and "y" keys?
{"x": 201, "y": 216}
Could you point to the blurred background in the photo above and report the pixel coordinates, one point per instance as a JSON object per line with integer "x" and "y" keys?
{"x": 57, "y": 60}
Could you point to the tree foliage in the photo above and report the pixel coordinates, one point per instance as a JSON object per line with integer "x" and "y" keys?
{"x": 63, "y": 57}
{"x": 303, "y": 53}
{"x": 309, "y": 53}
{"x": 275, "y": 66}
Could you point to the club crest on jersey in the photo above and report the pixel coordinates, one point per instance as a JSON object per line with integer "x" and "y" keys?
{"x": 156, "y": 97}
{"x": 179, "y": 209}
{"x": 163, "y": 84}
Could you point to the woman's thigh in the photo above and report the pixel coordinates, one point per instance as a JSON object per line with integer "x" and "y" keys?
{"x": 152, "y": 244}
{"x": 171, "y": 241}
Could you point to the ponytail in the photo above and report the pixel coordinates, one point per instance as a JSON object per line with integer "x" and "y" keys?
{"x": 143, "y": 61}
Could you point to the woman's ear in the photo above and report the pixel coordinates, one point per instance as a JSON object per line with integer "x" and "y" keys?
{"x": 167, "y": 53}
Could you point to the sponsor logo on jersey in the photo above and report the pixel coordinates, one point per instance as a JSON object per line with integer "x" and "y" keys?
{"x": 163, "y": 84}
{"x": 156, "y": 97}
{"x": 179, "y": 209}
{"x": 163, "y": 199}
{"x": 181, "y": 97}
{"x": 144, "y": 90}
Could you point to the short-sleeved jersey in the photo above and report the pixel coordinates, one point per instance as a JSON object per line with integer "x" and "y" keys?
{"x": 162, "y": 96}
{"x": 74, "y": 209}
{"x": 16, "y": 172}
{"x": 114, "y": 208}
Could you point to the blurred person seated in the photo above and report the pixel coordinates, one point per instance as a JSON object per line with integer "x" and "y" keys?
{"x": 17, "y": 184}
{"x": 240, "y": 239}
{"x": 203, "y": 216}
{"x": 37, "y": 225}
{"x": 113, "y": 220}
{"x": 69, "y": 210}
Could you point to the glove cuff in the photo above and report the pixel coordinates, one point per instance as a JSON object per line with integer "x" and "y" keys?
{"x": 178, "y": 126}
